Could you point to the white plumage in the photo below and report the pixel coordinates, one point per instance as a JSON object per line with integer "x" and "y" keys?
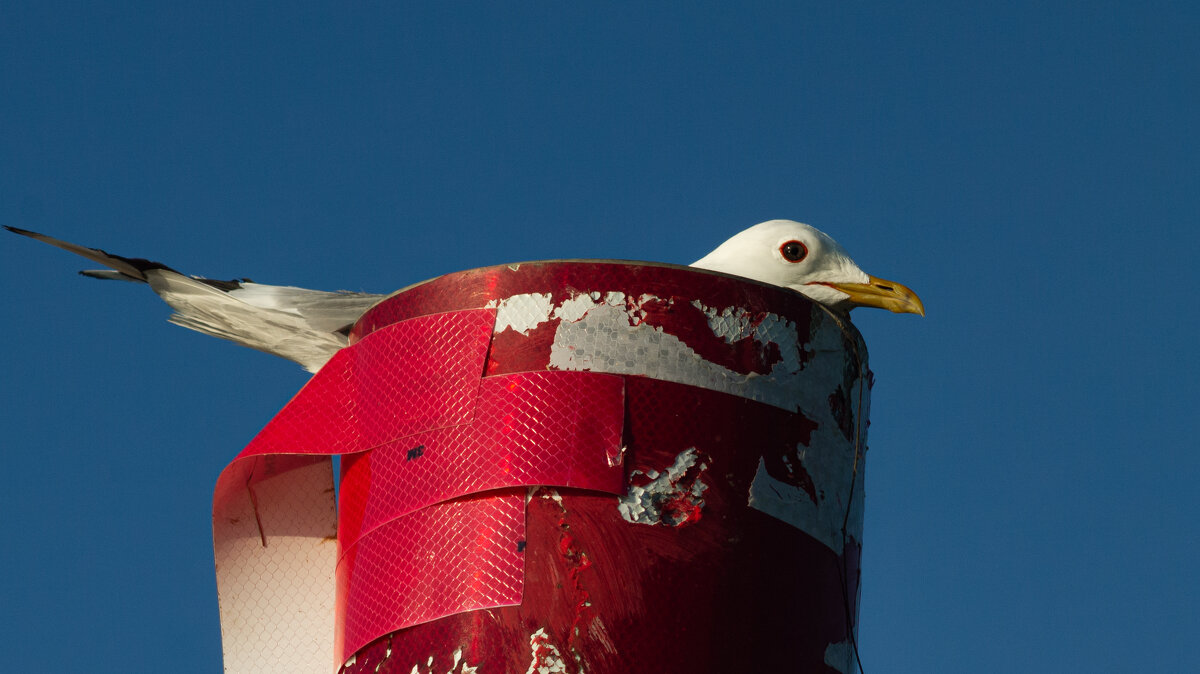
{"x": 309, "y": 326}
{"x": 304, "y": 326}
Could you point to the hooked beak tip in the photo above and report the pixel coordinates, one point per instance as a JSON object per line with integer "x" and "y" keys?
{"x": 882, "y": 294}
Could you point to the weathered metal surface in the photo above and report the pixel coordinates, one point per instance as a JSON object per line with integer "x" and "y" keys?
{"x": 628, "y": 467}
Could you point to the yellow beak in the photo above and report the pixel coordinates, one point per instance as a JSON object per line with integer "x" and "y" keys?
{"x": 882, "y": 294}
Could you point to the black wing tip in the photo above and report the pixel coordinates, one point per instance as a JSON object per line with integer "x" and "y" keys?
{"x": 224, "y": 286}
{"x": 122, "y": 268}
{"x": 132, "y": 267}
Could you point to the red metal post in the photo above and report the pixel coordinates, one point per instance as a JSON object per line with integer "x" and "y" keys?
{"x": 566, "y": 467}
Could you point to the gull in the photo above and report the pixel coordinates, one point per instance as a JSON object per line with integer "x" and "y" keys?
{"x": 309, "y": 326}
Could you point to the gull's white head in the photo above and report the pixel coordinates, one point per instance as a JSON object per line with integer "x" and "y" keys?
{"x": 801, "y": 257}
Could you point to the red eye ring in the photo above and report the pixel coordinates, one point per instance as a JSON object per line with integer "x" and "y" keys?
{"x": 793, "y": 251}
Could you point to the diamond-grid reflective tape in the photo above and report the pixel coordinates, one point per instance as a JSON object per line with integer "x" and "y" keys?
{"x": 448, "y": 558}
{"x": 406, "y": 377}
{"x": 532, "y": 428}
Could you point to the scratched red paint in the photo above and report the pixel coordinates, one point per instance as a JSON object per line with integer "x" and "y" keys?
{"x": 736, "y": 590}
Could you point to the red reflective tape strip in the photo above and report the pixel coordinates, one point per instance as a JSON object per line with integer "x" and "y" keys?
{"x": 559, "y": 429}
{"x": 431, "y": 365}
{"x": 448, "y": 558}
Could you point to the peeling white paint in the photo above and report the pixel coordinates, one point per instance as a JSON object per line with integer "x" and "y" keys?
{"x": 735, "y": 323}
{"x": 607, "y": 334}
{"x": 545, "y": 657}
{"x": 610, "y": 337}
{"x": 840, "y": 656}
{"x": 575, "y": 308}
{"x": 521, "y": 313}
{"x": 730, "y": 324}
{"x": 644, "y": 504}
{"x": 831, "y": 466}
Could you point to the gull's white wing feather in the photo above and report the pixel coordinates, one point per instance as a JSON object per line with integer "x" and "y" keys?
{"x": 304, "y": 326}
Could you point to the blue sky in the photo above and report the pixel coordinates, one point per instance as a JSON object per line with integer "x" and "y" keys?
{"x": 1032, "y": 171}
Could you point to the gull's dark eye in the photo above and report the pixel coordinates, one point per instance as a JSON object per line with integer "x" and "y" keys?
{"x": 793, "y": 251}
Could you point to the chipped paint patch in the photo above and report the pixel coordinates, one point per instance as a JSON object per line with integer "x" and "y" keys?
{"x": 612, "y": 336}
{"x": 545, "y": 657}
{"x": 616, "y": 333}
{"x": 840, "y": 656}
{"x": 521, "y": 313}
{"x": 466, "y": 668}
{"x": 819, "y": 508}
{"x": 576, "y": 307}
{"x": 734, "y": 324}
{"x": 672, "y": 497}
{"x": 731, "y": 324}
